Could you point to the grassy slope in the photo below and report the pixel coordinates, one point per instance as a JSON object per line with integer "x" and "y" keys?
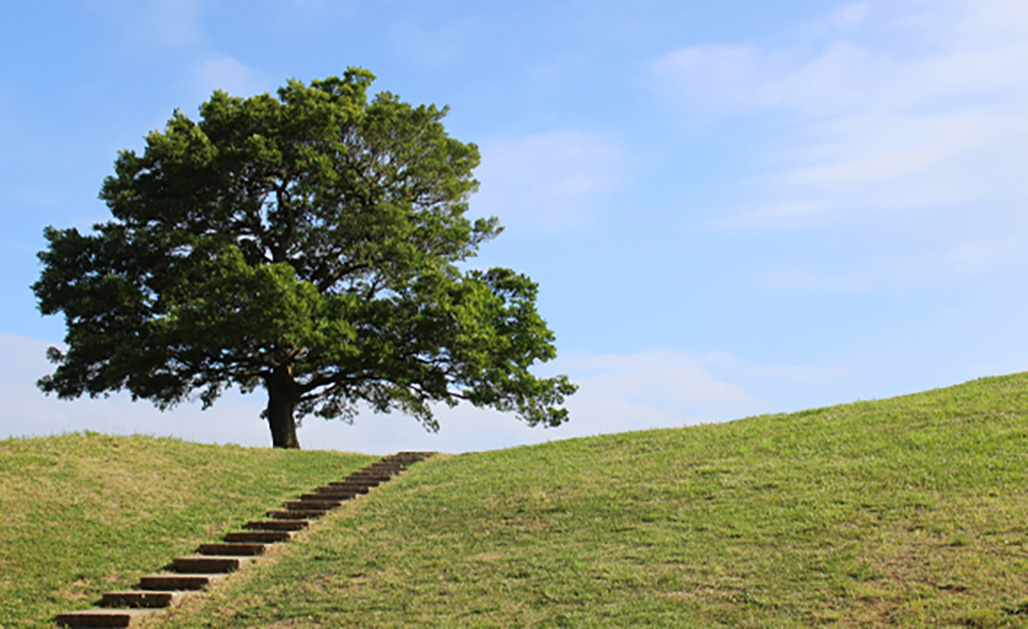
{"x": 910, "y": 511}
{"x": 83, "y": 514}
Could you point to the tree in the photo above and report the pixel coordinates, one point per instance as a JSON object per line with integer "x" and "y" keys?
{"x": 312, "y": 244}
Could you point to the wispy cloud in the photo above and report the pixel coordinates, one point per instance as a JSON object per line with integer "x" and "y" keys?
{"x": 551, "y": 181}
{"x": 676, "y": 384}
{"x": 691, "y": 388}
{"x": 902, "y": 119}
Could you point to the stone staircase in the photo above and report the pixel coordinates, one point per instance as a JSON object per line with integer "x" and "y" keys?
{"x": 213, "y": 562}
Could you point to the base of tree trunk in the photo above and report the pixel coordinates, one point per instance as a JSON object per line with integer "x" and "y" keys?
{"x": 282, "y": 399}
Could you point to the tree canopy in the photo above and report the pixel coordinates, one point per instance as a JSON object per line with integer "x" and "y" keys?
{"x": 313, "y": 244}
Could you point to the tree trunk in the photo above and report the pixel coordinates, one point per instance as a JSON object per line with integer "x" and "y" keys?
{"x": 282, "y": 399}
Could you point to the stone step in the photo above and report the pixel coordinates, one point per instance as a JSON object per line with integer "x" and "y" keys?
{"x": 311, "y": 505}
{"x": 341, "y": 495}
{"x": 356, "y": 485}
{"x": 102, "y": 617}
{"x": 377, "y": 478}
{"x": 262, "y": 537}
{"x": 206, "y": 564}
{"x": 232, "y": 548}
{"x": 178, "y": 582}
{"x": 295, "y": 524}
{"x": 140, "y": 598}
{"x": 342, "y": 489}
{"x": 308, "y": 514}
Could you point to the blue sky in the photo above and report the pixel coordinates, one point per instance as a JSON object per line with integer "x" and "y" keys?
{"x": 731, "y": 207}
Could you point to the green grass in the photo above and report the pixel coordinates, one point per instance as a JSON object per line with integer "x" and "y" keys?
{"x": 911, "y": 512}
{"x": 83, "y": 514}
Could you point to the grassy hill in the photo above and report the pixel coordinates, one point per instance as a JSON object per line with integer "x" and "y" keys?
{"x": 83, "y": 514}
{"x": 911, "y": 511}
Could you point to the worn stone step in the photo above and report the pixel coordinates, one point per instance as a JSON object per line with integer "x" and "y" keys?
{"x": 263, "y": 537}
{"x": 178, "y": 582}
{"x": 404, "y": 458}
{"x": 362, "y": 486}
{"x": 371, "y": 476}
{"x": 338, "y": 496}
{"x": 102, "y": 617}
{"x": 335, "y": 496}
{"x": 344, "y": 487}
{"x": 204, "y": 564}
{"x": 311, "y": 505}
{"x": 140, "y": 598}
{"x": 232, "y": 548}
{"x": 308, "y": 514}
{"x": 294, "y": 524}
{"x": 368, "y": 481}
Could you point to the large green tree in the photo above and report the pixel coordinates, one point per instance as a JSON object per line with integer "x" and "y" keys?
{"x": 311, "y": 244}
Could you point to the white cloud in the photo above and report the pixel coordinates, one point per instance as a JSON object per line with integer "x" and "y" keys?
{"x": 903, "y": 117}
{"x": 550, "y": 181}
{"x": 677, "y": 388}
{"x": 663, "y": 380}
{"x": 968, "y": 23}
